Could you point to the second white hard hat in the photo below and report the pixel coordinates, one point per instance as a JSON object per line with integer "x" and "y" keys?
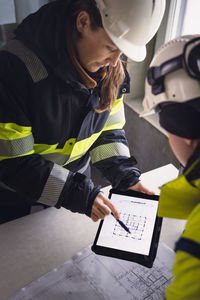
{"x": 131, "y": 24}
{"x": 174, "y": 74}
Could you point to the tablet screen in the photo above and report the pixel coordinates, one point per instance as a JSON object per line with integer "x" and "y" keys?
{"x": 139, "y": 215}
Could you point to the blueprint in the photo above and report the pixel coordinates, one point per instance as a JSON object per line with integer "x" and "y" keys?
{"x": 88, "y": 276}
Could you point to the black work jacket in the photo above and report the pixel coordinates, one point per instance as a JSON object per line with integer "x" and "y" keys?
{"x": 48, "y": 126}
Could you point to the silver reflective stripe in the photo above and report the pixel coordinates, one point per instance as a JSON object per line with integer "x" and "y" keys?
{"x": 34, "y": 65}
{"x": 109, "y": 150}
{"x": 116, "y": 118}
{"x": 57, "y": 158}
{"x": 76, "y": 157}
{"x": 16, "y": 147}
{"x": 54, "y": 186}
{"x": 82, "y": 170}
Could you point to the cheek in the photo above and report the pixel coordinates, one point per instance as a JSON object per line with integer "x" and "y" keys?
{"x": 94, "y": 52}
{"x": 181, "y": 150}
{"x": 97, "y": 54}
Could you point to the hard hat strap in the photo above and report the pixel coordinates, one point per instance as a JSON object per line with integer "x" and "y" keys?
{"x": 156, "y": 75}
{"x": 189, "y": 60}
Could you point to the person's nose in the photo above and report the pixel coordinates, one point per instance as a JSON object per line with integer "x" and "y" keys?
{"x": 115, "y": 57}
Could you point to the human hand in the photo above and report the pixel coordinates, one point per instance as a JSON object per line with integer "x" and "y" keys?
{"x": 102, "y": 207}
{"x": 140, "y": 188}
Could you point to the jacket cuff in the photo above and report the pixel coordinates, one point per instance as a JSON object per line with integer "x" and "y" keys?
{"x": 78, "y": 194}
{"x": 91, "y": 199}
{"x": 127, "y": 182}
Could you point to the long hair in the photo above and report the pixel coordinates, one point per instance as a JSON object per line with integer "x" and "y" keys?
{"x": 114, "y": 75}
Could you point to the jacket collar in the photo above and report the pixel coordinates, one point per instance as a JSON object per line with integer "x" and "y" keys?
{"x": 190, "y": 171}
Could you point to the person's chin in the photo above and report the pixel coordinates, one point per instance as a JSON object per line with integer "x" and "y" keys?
{"x": 93, "y": 69}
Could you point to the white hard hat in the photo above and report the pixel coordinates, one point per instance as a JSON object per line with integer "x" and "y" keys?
{"x": 174, "y": 74}
{"x": 131, "y": 24}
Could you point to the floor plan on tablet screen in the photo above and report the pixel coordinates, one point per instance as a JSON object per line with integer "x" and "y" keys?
{"x": 136, "y": 225}
{"x": 139, "y": 216}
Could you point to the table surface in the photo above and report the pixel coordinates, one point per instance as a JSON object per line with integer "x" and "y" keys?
{"x": 33, "y": 245}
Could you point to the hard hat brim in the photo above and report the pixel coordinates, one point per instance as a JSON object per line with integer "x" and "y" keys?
{"x": 134, "y": 52}
{"x": 148, "y": 113}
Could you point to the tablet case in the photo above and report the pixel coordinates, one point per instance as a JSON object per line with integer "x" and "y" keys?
{"x": 145, "y": 260}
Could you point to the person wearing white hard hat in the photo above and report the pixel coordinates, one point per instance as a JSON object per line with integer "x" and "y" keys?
{"x": 62, "y": 83}
{"x": 131, "y": 24}
{"x": 172, "y": 90}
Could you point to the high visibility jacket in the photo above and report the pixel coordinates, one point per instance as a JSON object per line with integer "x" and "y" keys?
{"x": 180, "y": 199}
{"x": 49, "y": 129}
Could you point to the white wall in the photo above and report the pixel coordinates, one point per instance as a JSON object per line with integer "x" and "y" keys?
{"x": 25, "y": 7}
{"x": 191, "y": 24}
{"x": 7, "y": 12}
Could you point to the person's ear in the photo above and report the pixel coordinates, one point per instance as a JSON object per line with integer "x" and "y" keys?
{"x": 82, "y": 21}
{"x": 191, "y": 143}
{"x": 188, "y": 142}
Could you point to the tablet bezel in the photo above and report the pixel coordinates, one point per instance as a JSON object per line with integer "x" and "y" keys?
{"x": 145, "y": 260}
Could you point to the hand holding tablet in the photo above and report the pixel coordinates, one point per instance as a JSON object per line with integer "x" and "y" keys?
{"x": 138, "y": 212}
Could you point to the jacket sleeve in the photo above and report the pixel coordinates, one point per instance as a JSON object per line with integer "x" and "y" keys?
{"x": 186, "y": 269}
{"x": 28, "y": 173}
{"x": 110, "y": 153}
{"x": 186, "y": 274}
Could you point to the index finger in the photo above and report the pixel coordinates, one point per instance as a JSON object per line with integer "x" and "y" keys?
{"x": 112, "y": 207}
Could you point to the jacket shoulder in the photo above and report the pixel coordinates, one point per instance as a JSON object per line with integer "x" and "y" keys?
{"x": 15, "y": 51}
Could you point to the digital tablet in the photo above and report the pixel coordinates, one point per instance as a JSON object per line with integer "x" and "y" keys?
{"x": 138, "y": 212}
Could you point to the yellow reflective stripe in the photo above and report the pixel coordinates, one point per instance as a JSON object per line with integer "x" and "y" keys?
{"x": 109, "y": 150}
{"x": 116, "y": 119}
{"x": 115, "y": 126}
{"x": 116, "y": 115}
{"x": 44, "y": 149}
{"x": 12, "y": 131}
{"x": 71, "y": 150}
{"x": 58, "y": 156}
{"x": 117, "y": 106}
{"x": 81, "y": 147}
